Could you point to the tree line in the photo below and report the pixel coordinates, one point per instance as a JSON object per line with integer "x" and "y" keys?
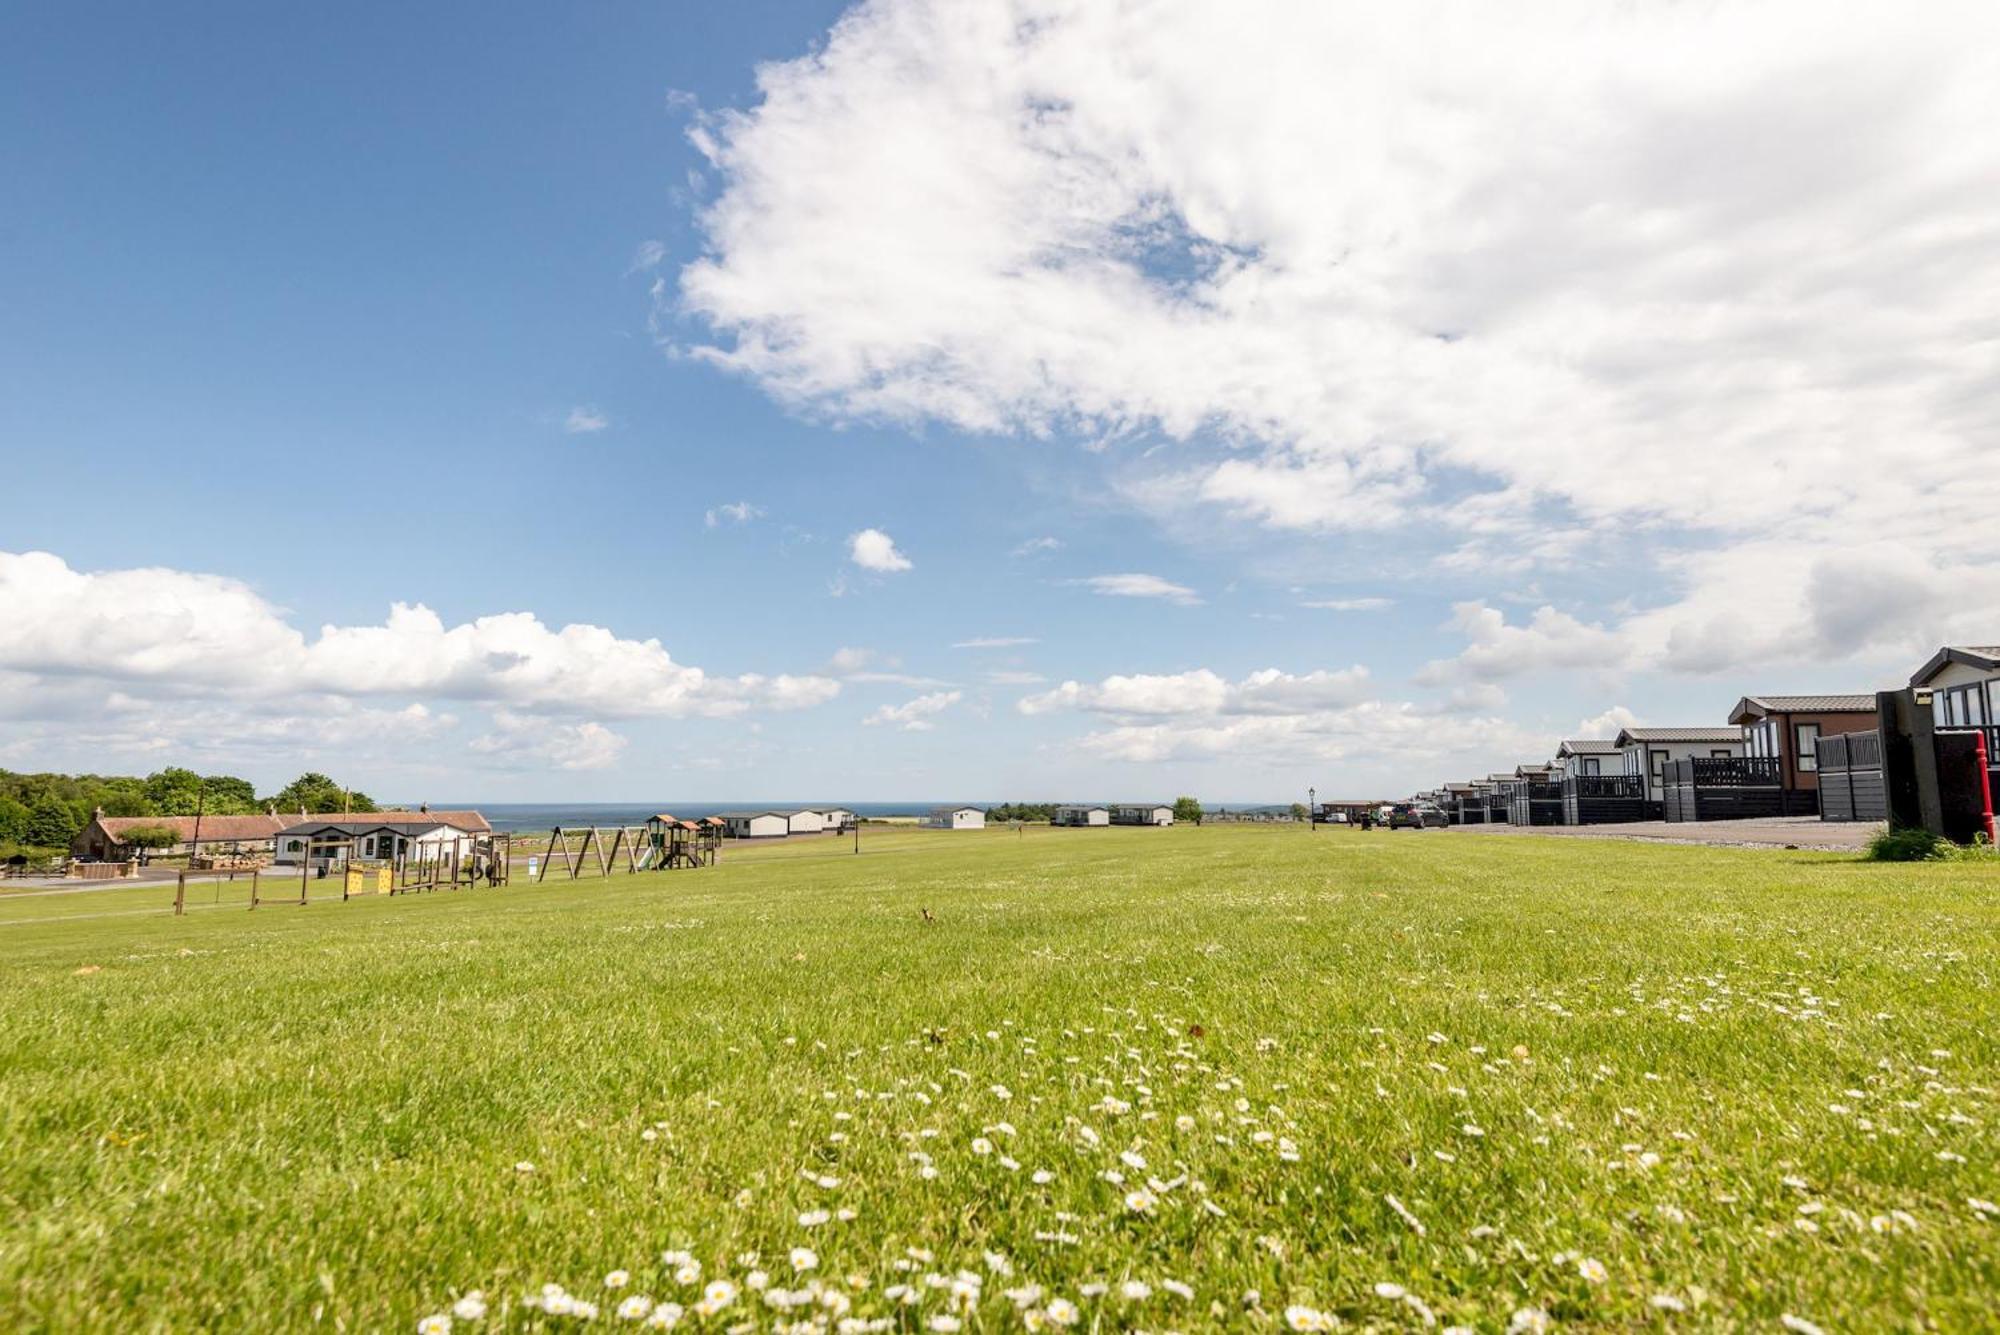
{"x": 49, "y": 810}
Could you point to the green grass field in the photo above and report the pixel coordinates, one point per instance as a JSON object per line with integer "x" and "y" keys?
{"x": 1126, "y": 1079}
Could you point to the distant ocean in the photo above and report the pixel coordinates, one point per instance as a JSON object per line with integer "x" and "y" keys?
{"x": 517, "y": 816}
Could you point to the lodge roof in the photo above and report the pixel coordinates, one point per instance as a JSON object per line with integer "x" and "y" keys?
{"x": 1985, "y": 657}
{"x": 1758, "y": 706}
{"x": 1630, "y": 735}
{"x": 367, "y": 824}
{"x": 1588, "y": 746}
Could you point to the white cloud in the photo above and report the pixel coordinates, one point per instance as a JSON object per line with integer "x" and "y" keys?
{"x": 1350, "y": 604}
{"x": 735, "y": 512}
{"x": 584, "y": 421}
{"x": 915, "y": 715}
{"x": 1606, "y": 725}
{"x": 169, "y": 633}
{"x": 1550, "y": 640}
{"x": 996, "y": 642}
{"x": 528, "y": 742}
{"x": 1138, "y": 586}
{"x": 648, "y": 256}
{"x": 872, "y": 549}
{"x": 1201, "y": 691}
{"x": 1003, "y": 677}
{"x": 1038, "y": 546}
{"x": 1566, "y": 284}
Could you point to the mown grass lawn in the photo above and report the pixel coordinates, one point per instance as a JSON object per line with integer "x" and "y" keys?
{"x": 1366, "y": 1078}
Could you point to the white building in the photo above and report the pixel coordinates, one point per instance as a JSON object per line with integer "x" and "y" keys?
{"x": 954, "y": 818}
{"x": 755, "y": 824}
{"x": 1964, "y": 682}
{"x": 371, "y": 839}
{"x": 1579, "y": 756}
{"x": 836, "y": 818}
{"x": 1081, "y": 814}
{"x": 1647, "y": 750}
{"x": 1141, "y": 813}
{"x": 806, "y": 820}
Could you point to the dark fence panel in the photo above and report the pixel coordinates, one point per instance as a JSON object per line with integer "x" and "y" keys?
{"x": 1731, "y": 788}
{"x": 1850, "y": 778}
{"x": 1603, "y": 799}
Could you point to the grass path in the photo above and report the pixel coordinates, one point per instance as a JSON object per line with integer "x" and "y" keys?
{"x": 1361, "y": 1077}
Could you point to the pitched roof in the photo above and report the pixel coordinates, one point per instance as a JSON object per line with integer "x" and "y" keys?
{"x": 1757, "y": 706}
{"x": 218, "y": 829}
{"x": 1587, "y": 746}
{"x": 1985, "y": 657}
{"x": 1679, "y": 735}
{"x": 366, "y": 824}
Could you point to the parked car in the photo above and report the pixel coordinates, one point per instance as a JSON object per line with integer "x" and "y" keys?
{"x": 1434, "y": 817}
{"x": 1405, "y": 816}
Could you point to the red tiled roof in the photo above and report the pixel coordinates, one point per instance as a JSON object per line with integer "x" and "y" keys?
{"x": 217, "y": 829}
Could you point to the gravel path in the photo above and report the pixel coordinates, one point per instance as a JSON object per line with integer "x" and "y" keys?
{"x": 1777, "y": 832}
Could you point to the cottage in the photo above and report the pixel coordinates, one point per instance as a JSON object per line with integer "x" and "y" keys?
{"x": 756, "y": 824}
{"x": 954, "y": 818}
{"x": 1080, "y": 814}
{"x": 1646, "y": 752}
{"x": 103, "y": 839}
{"x": 1141, "y": 813}
{"x": 1787, "y": 729}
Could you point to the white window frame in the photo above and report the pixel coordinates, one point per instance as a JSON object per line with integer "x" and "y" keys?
{"x": 1807, "y": 756}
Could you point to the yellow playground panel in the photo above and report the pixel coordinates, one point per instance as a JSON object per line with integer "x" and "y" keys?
{"x": 361, "y": 880}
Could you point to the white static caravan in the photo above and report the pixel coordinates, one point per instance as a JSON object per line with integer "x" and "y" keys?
{"x": 755, "y": 824}
{"x": 837, "y": 818}
{"x": 955, "y": 818}
{"x": 1141, "y": 813}
{"x": 806, "y": 820}
{"x": 1080, "y": 814}
{"x": 1647, "y": 750}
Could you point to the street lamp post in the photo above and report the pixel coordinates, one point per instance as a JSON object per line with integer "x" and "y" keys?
{"x": 1312, "y": 810}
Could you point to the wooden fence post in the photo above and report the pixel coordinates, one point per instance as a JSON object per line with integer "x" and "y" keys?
{"x": 180, "y": 893}
{"x": 253, "y": 889}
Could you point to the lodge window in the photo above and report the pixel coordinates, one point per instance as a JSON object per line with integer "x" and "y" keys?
{"x": 1659, "y": 763}
{"x": 1590, "y": 766}
{"x": 1718, "y": 755}
{"x": 1805, "y": 739}
{"x": 1964, "y": 706}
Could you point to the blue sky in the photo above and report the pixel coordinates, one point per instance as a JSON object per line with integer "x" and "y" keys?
{"x": 491, "y": 311}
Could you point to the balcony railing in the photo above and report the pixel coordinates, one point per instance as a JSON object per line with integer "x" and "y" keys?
{"x": 1604, "y": 785}
{"x": 1726, "y": 772}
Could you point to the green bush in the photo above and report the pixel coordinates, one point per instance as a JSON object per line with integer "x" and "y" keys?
{"x": 1908, "y": 846}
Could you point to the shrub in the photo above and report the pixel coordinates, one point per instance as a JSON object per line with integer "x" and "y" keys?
{"x": 1912, "y": 845}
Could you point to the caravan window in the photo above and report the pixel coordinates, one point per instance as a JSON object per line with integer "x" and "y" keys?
{"x": 1806, "y": 739}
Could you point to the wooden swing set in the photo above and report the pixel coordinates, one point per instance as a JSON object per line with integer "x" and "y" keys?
{"x": 663, "y": 842}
